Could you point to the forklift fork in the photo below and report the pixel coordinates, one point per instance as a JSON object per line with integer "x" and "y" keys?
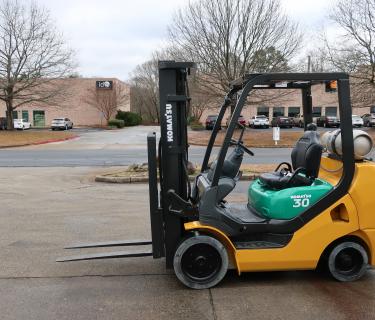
{"x": 109, "y": 255}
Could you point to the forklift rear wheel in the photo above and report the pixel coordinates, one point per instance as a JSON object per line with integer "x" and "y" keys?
{"x": 200, "y": 262}
{"x": 347, "y": 261}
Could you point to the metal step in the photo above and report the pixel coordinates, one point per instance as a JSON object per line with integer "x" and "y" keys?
{"x": 121, "y": 243}
{"x": 108, "y": 255}
{"x": 256, "y": 245}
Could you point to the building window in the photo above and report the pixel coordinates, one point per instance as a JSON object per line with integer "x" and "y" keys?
{"x": 317, "y": 111}
{"x": 293, "y": 111}
{"x": 331, "y": 111}
{"x": 372, "y": 109}
{"x": 263, "y": 111}
{"x": 39, "y": 118}
{"x": 25, "y": 115}
{"x": 278, "y": 111}
{"x": 14, "y": 114}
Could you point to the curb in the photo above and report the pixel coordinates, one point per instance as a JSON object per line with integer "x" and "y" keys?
{"x": 107, "y": 179}
{"x": 54, "y": 140}
{"x": 40, "y": 142}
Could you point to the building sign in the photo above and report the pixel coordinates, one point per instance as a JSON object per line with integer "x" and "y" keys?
{"x": 104, "y": 84}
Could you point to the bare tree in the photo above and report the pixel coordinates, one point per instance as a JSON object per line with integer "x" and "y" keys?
{"x": 231, "y": 37}
{"x": 108, "y": 101}
{"x": 201, "y": 98}
{"x": 314, "y": 60}
{"x": 32, "y": 55}
{"x": 354, "y": 49}
{"x": 145, "y": 90}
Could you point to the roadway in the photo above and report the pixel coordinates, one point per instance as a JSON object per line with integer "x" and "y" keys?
{"x": 95, "y": 148}
{"x": 115, "y": 157}
{"x": 112, "y": 148}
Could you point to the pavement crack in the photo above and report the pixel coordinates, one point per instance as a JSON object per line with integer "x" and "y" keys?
{"x": 212, "y": 304}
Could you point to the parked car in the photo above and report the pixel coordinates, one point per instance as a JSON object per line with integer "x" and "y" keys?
{"x": 282, "y": 122}
{"x": 21, "y": 124}
{"x": 241, "y": 121}
{"x": 298, "y": 121}
{"x": 62, "y": 124}
{"x": 259, "y": 122}
{"x": 3, "y": 123}
{"x": 328, "y": 121}
{"x": 357, "y": 121}
{"x": 210, "y": 122}
{"x": 369, "y": 119}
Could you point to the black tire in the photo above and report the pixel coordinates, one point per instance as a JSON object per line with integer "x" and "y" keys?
{"x": 347, "y": 261}
{"x": 200, "y": 262}
{"x": 66, "y": 127}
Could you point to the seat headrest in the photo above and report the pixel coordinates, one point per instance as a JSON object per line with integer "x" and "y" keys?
{"x": 312, "y": 127}
{"x": 307, "y": 153}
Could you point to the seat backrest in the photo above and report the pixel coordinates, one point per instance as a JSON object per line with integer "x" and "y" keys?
{"x": 307, "y": 153}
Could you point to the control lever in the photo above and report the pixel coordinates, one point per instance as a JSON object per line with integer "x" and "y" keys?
{"x": 177, "y": 199}
{"x": 181, "y": 207}
{"x": 240, "y": 145}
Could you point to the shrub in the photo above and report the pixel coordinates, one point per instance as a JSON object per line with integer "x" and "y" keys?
{"x": 129, "y": 118}
{"x": 116, "y": 123}
{"x": 191, "y": 120}
{"x": 196, "y": 126}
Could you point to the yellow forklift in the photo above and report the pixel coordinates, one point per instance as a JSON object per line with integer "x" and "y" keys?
{"x": 315, "y": 210}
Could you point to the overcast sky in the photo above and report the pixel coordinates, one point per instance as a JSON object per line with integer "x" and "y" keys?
{"x": 111, "y": 37}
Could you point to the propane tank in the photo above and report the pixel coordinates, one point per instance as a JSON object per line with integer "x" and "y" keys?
{"x": 331, "y": 141}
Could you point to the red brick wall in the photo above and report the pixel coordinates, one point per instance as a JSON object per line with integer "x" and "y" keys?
{"x": 73, "y": 104}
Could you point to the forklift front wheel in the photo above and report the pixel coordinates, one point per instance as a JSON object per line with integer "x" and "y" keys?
{"x": 200, "y": 262}
{"x": 348, "y": 261}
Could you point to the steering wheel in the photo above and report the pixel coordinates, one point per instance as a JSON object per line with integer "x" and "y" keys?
{"x": 239, "y": 143}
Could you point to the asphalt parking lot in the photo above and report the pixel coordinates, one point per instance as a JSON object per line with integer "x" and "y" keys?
{"x": 45, "y": 209}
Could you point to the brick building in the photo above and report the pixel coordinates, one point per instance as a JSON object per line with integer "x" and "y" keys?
{"x": 73, "y": 103}
{"x": 324, "y": 103}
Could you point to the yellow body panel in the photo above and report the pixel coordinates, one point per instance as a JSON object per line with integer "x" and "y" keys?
{"x": 351, "y": 215}
{"x": 330, "y": 170}
{"x": 362, "y": 193}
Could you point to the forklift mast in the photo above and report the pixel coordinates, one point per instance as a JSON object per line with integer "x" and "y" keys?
{"x": 171, "y": 161}
{"x": 166, "y": 227}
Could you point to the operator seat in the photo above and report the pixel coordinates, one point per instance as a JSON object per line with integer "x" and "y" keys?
{"x": 306, "y": 156}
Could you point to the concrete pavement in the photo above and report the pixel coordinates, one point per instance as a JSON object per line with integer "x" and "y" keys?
{"x": 45, "y": 209}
